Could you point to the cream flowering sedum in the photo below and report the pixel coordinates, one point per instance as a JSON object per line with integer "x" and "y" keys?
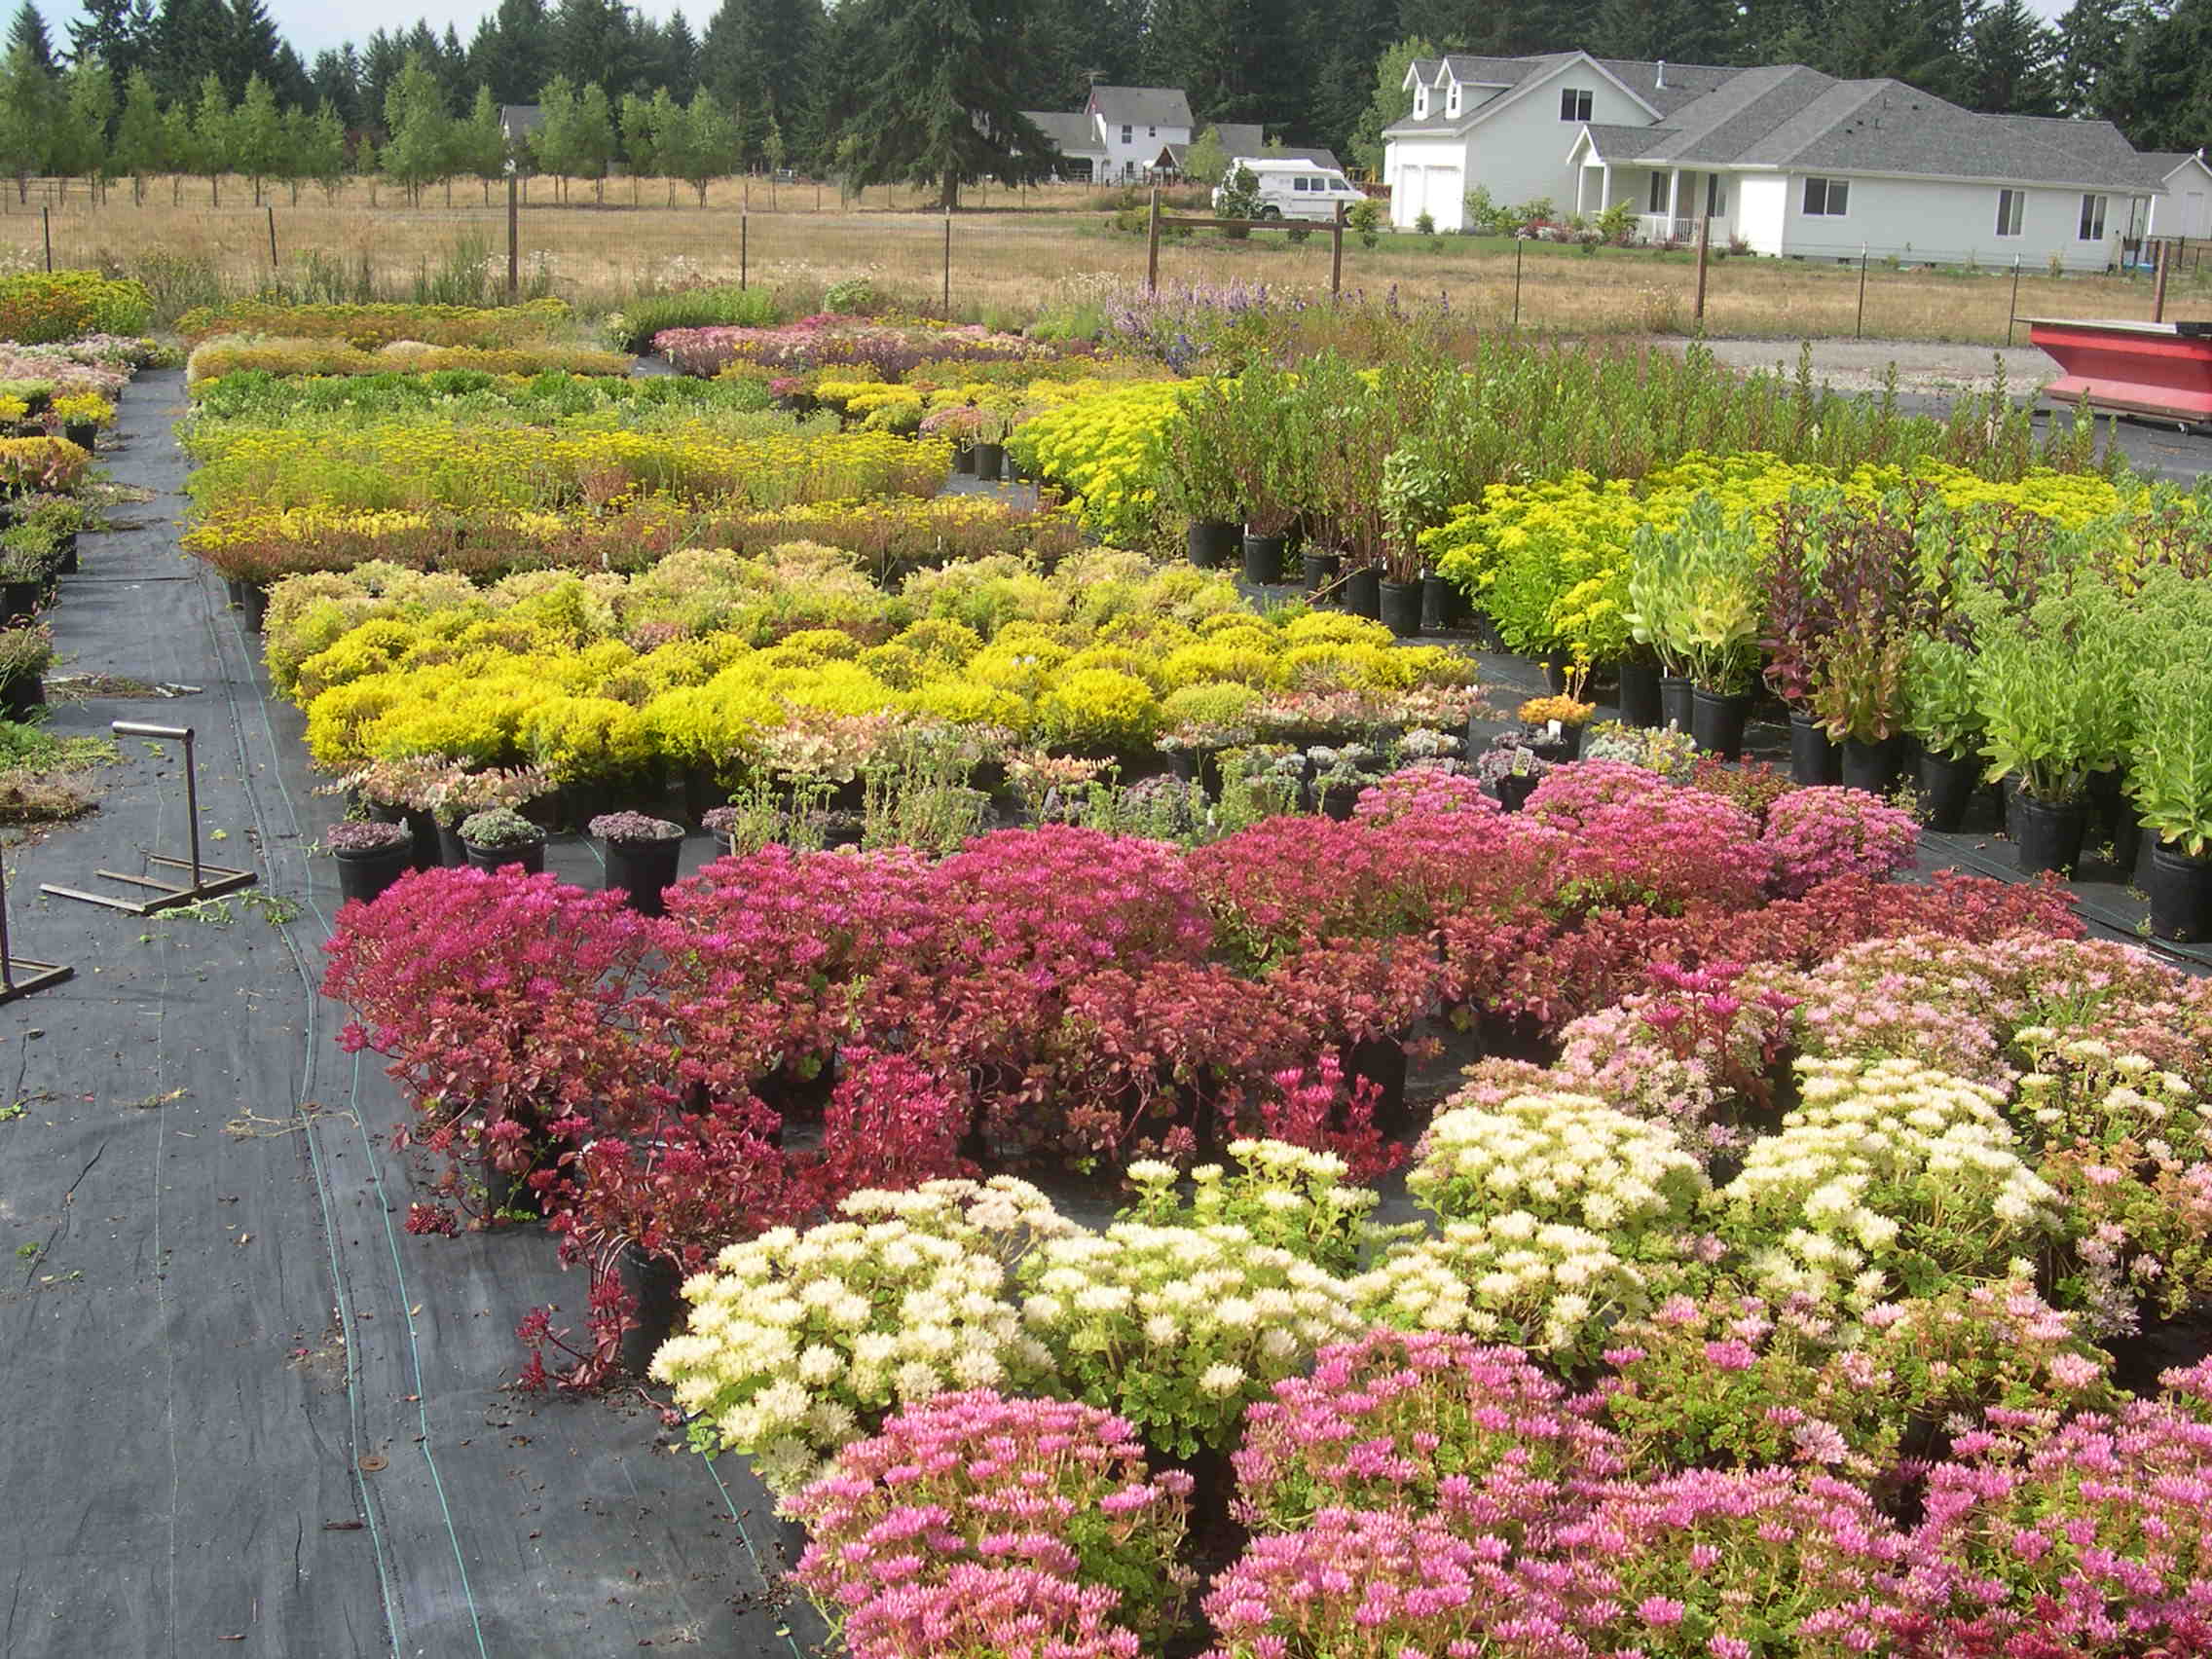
{"x": 1510, "y": 1278}
{"x": 1178, "y": 1328}
{"x": 1890, "y": 1176}
{"x": 799, "y": 1342}
{"x": 1290, "y": 1197}
{"x": 1564, "y": 1158}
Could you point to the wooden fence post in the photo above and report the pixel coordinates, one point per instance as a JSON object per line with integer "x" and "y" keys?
{"x": 2158, "y": 283}
{"x": 515, "y": 234}
{"x": 271, "y": 210}
{"x": 1337, "y": 253}
{"x": 1859, "y": 325}
{"x": 743, "y": 221}
{"x": 1517, "y": 241}
{"x": 46, "y": 223}
{"x": 2012, "y": 306}
{"x": 1152, "y": 246}
{"x": 949, "y": 265}
{"x": 1703, "y": 242}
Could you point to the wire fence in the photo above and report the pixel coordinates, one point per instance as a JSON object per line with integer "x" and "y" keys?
{"x": 1007, "y": 255}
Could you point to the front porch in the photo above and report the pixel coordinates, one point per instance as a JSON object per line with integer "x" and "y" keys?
{"x": 1670, "y": 200}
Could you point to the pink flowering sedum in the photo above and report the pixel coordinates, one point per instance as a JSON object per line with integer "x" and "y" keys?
{"x": 1817, "y": 834}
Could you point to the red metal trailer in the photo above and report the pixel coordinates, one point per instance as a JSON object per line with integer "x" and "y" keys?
{"x": 2159, "y": 369}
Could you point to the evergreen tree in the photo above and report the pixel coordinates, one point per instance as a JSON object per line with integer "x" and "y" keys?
{"x": 110, "y": 31}
{"x": 27, "y": 33}
{"x": 2013, "y": 56}
{"x": 937, "y": 103}
{"x": 140, "y": 144}
{"x": 1389, "y": 101}
{"x": 189, "y": 40}
{"x": 759, "y": 59}
{"x": 337, "y": 83}
{"x": 678, "y": 66}
{"x": 2092, "y": 49}
{"x": 1682, "y": 31}
{"x": 251, "y": 46}
{"x": 596, "y": 41}
{"x": 383, "y": 55}
{"x": 512, "y": 52}
{"x": 28, "y": 109}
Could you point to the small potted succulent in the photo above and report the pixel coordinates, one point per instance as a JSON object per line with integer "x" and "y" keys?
{"x": 498, "y": 836}
{"x": 371, "y": 856}
{"x": 1513, "y": 769}
{"x": 1339, "y": 774}
{"x": 25, "y": 654}
{"x": 458, "y": 793}
{"x": 642, "y": 855}
{"x": 1558, "y": 722}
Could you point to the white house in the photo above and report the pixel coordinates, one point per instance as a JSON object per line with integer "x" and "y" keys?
{"x": 1119, "y": 132}
{"x": 1790, "y": 160}
{"x": 2184, "y": 207}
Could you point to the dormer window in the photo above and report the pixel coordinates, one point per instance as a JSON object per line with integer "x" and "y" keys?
{"x": 1421, "y": 101}
{"x": 1452, "y": 100}
{"x": 1574, "y": 104}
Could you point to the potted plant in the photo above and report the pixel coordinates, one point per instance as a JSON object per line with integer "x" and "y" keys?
{"x": 460, "y": 793}
{"x": 1339, "y": 774}
{"x": 1196, "y": 479}
{"x": 499, "y": 836}
{"x": 2032, "y": 739}
{"x": 1412, "y": 490}
{"x": 371, "y": 856}
{"x": 2171, "y": 781}
{"x": 957, "y": 426}
{"x": 1272, "y": 455}
{"x": 1512, "y": 769}
{"x": 1859, "y": 697}
{"x": 1657, "y": 587}
{"x": 642, "y": 855}
{"x": 1559, "y": 722}
{"x": 23, "y": 577}
{"x": 25, "y": 654}
{"x": 1943, "y": 712}
{"x": 991, "y": 428}
{"x": 402, "y": 790}
{"x": 1716, "y": 606}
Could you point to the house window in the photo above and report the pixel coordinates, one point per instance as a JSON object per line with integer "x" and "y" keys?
{"x": 1658, "y": 193}
{"x": 1573, "y": 103}
{"x": 1827, "y": 197}
{"x": 1716, "y": 198}
{"x": 2092, "y": 218}
{"x": 2010, "y": 203}
{"x": 1452, "y": 101}
{"x": 1420, "y": 100}
{"x": 1152, "y": 133}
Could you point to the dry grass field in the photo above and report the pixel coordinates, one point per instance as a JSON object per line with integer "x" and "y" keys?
{"x": 1010, "y": 254}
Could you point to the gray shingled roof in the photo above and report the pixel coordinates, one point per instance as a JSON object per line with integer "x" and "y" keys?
{"x": 1238, "y": 138}
{"x": 1318, "y": 157}
{"x": 2163, "y": 161}
{"x": 1142, "y": 106}
{"x": 1625, "y": 144}
{"x": 1886, "y": 127}
{"x": 1686, "y": 82}
{"x": 1070, "y": 130}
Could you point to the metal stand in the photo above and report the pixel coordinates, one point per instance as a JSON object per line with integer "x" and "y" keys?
{"x": 207, "y": 880}
{"x": 19, "y": 976}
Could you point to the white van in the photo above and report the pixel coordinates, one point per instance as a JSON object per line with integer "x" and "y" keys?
{"x": 1295, "y": 189}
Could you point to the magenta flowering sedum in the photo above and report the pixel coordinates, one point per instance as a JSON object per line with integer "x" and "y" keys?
{"x": 1817, "y": 834}
{"x": 1048, "y": 1488}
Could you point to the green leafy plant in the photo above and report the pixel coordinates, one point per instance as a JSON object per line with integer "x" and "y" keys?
{"x": 2171, "y": 774}
{"x": 1940, "y": 707}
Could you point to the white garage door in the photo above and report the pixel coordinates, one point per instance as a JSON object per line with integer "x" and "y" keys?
{"x": 1442, "y": 195}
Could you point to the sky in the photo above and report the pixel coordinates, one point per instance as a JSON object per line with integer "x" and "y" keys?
{"x": 314, "y": 28}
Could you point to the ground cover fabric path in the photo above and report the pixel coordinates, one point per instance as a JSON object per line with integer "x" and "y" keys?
{"x": 246, "y": 1413}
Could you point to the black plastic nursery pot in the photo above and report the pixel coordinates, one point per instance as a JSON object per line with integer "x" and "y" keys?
{"x": 66, "y": 555}
{"x": 19, "y": 600}
{"x": 1871, "y": 766}
{"x": 1263, "y": 559}
{"x": 1320, "y": 572}
{"x": 366, "y": 874}
{"x": 2181, "y": 895}
{"x": 1947, "y": 785}
{"x": 990, "y": 462}
{"x": 1437, "y": 598}
{"x": 1556, "y": 667}
{"x": 964, "y": 459}
{"x": 1485, "y": 626}
{"x": 1718, "y": 720}
{"x": 1401, "y": 608}
{"x": 655, "y": 1283}
{"x": 1639, "y": 694}
{"x": 85, "y": 435}
{"x": 642, "y": 870}
{"x": 1674, "y": 701}
{"x": 22, "y": 694}
{"x": 255, "y": 604}
{"x": 1200, "y": 767}
{"x": 529, "y": 858}
{"x": 1363, "y": 593}
{"x": 2049, "y": 837}
{"x": 1212, "y": 543}
{"x": 453, "y": 851}
{"x": 1515, "y": 787}
{"x": 1813, "y": 756}
{"x": 424, "y": 853}
{"x": 1336, "y": 801}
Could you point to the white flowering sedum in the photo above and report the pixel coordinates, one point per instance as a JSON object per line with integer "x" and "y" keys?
{"x": 1291, "y": 1197}
{"x": 1889, "y": 1171}
{"x": 1511, "y": 1278}
{"x": 799, "y": 1342}
{"x": 1559, "y": 1157}
{"x": 1178, "y": 1328}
